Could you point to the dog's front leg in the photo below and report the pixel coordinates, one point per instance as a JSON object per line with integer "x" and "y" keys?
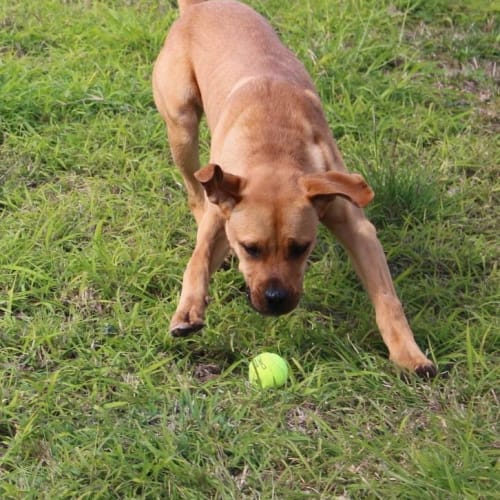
{"x": 210, "y": 250}
{"x": 350, "y": 226}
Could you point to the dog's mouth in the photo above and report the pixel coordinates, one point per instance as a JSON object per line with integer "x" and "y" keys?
{"x": 273, "y": 300}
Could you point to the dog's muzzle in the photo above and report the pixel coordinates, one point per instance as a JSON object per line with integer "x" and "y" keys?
{"x": 273, "y": 299}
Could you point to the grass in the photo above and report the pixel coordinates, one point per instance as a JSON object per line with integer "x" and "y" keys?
{"x": 97, "y": 401}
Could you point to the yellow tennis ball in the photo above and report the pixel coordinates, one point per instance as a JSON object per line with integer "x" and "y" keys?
{"x": 268, "y": 370}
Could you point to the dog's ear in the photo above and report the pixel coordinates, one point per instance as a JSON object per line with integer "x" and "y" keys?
{"x": 222, "y": 188}
{"x": 322, "y": 188}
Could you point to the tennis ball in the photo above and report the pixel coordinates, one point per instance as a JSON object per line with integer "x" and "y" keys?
{"x": 268, "y": 370}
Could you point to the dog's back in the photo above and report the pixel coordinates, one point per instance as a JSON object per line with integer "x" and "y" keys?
{"x": 230, "y": 44}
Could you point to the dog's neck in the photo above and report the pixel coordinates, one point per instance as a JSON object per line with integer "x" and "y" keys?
{"x": 288, "y": 139}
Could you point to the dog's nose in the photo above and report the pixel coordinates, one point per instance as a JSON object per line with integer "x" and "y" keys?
{"x": 277, "y": 299}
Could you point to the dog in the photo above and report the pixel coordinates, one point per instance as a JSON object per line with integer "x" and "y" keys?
{"x": 274, "y": 172}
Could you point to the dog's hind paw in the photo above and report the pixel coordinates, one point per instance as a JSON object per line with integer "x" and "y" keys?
{"x": 185, "y": 329}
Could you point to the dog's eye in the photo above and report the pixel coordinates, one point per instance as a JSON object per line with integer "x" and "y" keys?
{"x": 296, "y": 250}
{"x": 251, "y": 250}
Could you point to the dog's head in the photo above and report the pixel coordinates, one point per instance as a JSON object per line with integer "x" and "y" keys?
{"x": 272, "y": 227}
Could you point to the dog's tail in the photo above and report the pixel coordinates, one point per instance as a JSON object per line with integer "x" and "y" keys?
{"x": 184, "y": 4}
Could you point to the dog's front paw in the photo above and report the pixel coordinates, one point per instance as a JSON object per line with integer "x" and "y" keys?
{"x": 412, "y": 360}
{"x": 185, "y": 323}
{"x": 426, "y": 371}
{"x": 183, "y": 329}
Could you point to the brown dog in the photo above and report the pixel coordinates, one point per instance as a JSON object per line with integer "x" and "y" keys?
{"x": 274, "y": 170}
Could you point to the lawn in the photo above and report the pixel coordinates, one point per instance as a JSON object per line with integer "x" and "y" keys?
{"x": 98, "y": 401}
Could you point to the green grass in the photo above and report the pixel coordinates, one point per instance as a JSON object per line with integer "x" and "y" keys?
{"x": 97, "y": 401}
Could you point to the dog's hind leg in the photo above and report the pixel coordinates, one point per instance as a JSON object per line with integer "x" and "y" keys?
{"x": 178, "y": 100}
